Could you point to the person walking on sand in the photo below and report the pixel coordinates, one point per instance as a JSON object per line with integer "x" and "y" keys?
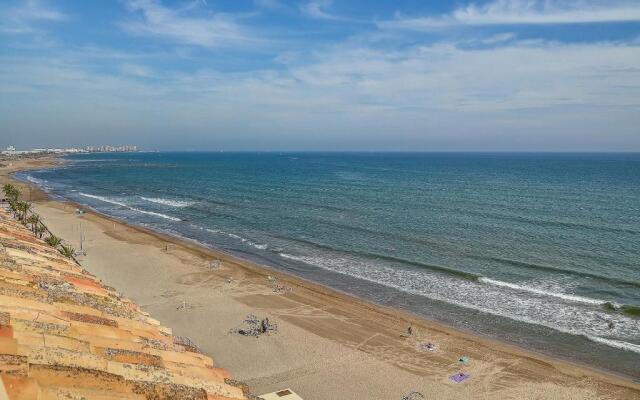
{"x": 410, "y": 330}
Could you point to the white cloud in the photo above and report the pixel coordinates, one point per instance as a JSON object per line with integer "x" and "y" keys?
{"x": 24, "y": 18}
{"x": 555, "y": 94}
{"x": 498, "y": 38}
{"x": 35, "y": 10}
{"x": 319, "y": 9}
{"x": 532, "y": 12}
{"x": 137, "y": 70}
{"x": 185, "y": 26}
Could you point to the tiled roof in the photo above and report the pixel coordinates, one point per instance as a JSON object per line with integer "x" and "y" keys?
{"x": 65, "y": 335}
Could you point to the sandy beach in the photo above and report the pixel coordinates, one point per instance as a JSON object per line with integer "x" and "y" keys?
{"x": 327, "y": 345}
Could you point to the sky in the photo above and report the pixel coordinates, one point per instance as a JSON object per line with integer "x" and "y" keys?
{"x": 419, "y": 75}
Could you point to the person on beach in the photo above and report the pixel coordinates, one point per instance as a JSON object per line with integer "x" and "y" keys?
{"x": 410, "y": 330}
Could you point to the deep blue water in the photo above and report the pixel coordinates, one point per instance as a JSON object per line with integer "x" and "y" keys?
{"x": 528, "y": 248}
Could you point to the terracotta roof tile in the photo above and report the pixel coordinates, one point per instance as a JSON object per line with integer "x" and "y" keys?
{"x": 63, "y": 334}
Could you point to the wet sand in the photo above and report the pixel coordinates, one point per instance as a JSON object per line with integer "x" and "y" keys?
{"x": 328, "y": 345}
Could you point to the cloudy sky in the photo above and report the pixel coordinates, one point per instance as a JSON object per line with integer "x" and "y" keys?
{"x": 520, "y": 75}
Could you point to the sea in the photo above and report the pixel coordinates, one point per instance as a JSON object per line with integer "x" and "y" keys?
{"x": 534, "y": 249}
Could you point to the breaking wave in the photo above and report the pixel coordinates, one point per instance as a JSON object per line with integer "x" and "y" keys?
{"x": 259, "y": 246}
{"x": 616, "y": 343}
{"x": 570, "y": 314}
{"x": 121, "y": 204}
{"x": 564, "y": 296}
{"x": 168, "y": 202}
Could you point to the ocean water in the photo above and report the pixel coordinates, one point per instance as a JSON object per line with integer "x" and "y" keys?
{"x": 540, "y": 250}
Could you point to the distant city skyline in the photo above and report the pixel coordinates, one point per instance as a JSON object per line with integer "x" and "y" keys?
{"x": 485, "y": 75}
{"x": 12, "y": 150}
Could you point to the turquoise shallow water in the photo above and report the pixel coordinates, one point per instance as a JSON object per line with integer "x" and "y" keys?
{"x": 538, "y": 249}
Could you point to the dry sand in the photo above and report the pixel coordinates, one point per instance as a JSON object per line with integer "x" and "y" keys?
{"x": 328, "y": 345}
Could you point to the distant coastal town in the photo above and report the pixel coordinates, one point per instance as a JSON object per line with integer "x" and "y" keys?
{"x": 11, "y": 150}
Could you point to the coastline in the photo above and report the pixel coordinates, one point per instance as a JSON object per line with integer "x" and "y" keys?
{"x": 322, "y": 332}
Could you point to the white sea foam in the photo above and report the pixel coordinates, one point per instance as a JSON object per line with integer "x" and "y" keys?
{"x": 168, "y": 202}
{"x": 104, "y": 199}
{"x": 259, "y": 246}
{"x": 156, "y": 214}
{"x": 34, "y": 180}
{"x": 41, "y": 183}
{"x": 121, "y": 204}
{"x": 616, "y": 343}
{"x": 583, "y": 318}
{"x": 542, "y": 292}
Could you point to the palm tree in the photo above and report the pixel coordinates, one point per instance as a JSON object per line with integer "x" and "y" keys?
{"x": 24, "y": 207}
{"x": 18, "y": 209}
{"x": 67, "y": 251}
{"x": 11, "y": 192}
{"x": 53, "y": 241}
{"x": 13, "y": 204}
{"x": 34, "y": 220}
{"x": 40, "y": 230}
{"x": 18, "y": 206}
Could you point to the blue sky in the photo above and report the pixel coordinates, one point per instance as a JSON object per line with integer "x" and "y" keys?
{"x": 322, "y": 75}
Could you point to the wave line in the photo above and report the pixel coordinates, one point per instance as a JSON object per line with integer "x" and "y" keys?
{"x": 118, "y": 203}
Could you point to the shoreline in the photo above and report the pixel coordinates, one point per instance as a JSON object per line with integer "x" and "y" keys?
{"x": 263, "y": 270}
{"x": 387, "y": 323}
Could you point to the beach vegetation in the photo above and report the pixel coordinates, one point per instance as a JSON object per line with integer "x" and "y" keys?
{"x": 53, "y": 241}
{"x": 40, "y": 230}
{"x": 67, "y": 251}
{"x": 13, "y": 207}
{"x": 11, "y": 192}
{"x": 23, "y": 209}
{"x": 34, "y": 221}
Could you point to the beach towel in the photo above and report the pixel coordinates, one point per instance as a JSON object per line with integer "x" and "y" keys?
{"x": 427, "y": 346}
{"x": 457, "y": 378}
{"x": 464, "y": 360}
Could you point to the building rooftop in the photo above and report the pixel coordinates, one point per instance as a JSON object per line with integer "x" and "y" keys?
{"x": 65, "y": 335}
